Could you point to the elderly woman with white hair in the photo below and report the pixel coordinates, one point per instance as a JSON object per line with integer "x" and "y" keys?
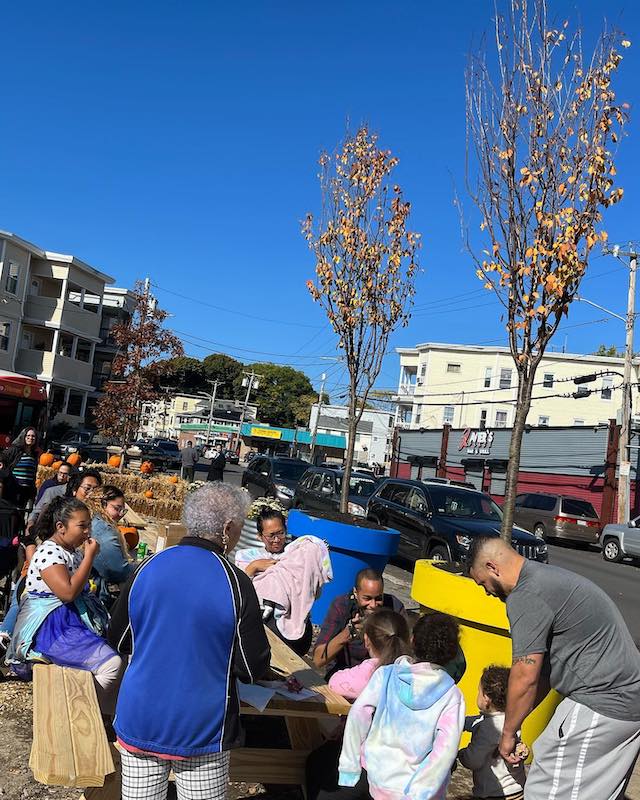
{"x": 196, "y": 625}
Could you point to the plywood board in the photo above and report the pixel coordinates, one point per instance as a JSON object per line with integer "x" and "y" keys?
{"x": 268, "y": 766}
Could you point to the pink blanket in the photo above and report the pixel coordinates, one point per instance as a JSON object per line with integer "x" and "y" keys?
{"x": 293, "y": 584}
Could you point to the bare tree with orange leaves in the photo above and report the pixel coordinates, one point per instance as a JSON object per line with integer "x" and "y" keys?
{"x": 543, "y": 123}
{"x": 365, "y": 264}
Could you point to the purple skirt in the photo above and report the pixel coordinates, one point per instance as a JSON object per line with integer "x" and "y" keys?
{"x": 65, "y": 640}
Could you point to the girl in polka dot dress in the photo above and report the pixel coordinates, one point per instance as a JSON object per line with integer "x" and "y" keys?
{"x": 59, "y": 621}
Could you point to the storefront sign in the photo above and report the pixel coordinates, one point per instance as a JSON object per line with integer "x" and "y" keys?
{"x": 476, "y": 443}
{"x": 266, "y": 433}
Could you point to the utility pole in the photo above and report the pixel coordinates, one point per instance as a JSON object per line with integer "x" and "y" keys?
{"x": 624, "y": 472}
{"x": 214, "y": 391}
{"x": 252, "y": 381}
{"x": 314, "y": 435}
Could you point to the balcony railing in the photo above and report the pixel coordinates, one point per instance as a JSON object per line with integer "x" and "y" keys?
{"x": 406, "y": 389}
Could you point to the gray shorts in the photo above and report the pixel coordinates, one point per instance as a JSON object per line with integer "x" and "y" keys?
{"x": 582, "y": 755}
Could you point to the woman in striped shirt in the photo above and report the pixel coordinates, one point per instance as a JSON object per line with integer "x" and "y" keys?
{"x": 22, "y": 459}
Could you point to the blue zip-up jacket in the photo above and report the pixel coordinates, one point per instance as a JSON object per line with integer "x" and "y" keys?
{"x": 192, "y": 623}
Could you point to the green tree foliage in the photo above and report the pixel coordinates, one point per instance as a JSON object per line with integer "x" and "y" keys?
{"x": 185, "y": 374}
{"x": 610, "y": 352}
{"x": 280, "y": 395}
{"x": 227, "y": 370}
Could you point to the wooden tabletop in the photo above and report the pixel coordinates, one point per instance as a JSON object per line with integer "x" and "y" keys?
{"x": 286, "y": 663}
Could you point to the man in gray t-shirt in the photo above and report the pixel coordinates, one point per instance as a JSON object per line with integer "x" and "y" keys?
{"x": 566, "y": 634}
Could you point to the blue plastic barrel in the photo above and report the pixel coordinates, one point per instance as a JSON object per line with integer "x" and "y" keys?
{"x": 352, "y": 549}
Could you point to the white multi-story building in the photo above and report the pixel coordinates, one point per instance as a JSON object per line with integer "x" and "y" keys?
{"x": 473, "y": 386}
{"x": 166, "y": 416}
{"x": 373, "y": 436}
{"x": 50, "y": 319}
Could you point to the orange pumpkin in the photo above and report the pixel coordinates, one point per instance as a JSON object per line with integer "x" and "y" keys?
{"x": 148, "y": 494}
{"x": 46, "y": 459}
{"x": 131, "y": 535}
{"x": 173, "y": 479}
{"x": 114, "y": 461}
{"x": 75, "y": 459}
{"x": 56, "y": 465}
{"x": 146, "y": 467}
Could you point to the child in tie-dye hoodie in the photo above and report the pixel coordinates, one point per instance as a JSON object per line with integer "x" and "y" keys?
{"x": 404, "y": 729}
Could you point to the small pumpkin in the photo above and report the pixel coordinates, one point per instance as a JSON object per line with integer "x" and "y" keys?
{"x": 56, "y": 465}
{"x": 149, "y": 494}
{"x": 46, "y": 459}
{"x": 114, "y": 461}
{"x": 146, "y": 468}
{"x": 131, "y": 535}
{"x": 75, "y": 459}
{"x": 173, "y": 479}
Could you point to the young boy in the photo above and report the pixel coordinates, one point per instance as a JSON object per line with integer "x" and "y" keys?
{"x": 493, "y": 778}
{"x": 403, "y": 731}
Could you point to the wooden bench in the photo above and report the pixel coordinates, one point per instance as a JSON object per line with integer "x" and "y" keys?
{"x": 70, "y": 746}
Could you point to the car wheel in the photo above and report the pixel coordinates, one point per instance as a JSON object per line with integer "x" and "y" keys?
{"x": 611, "y": 550}
{"x": 539, "y": 531}
{"x": 439, "y": 553}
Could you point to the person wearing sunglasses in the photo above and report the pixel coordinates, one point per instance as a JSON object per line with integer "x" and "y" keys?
{"x": 272, "y": 532}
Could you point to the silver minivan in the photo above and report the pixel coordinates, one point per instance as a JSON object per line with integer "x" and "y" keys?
{"x": 557, "y": 516}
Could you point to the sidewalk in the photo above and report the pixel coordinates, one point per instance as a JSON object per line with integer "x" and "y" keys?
{"x": 633, "y": 790}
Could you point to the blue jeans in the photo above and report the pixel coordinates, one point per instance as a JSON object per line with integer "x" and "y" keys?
{"x": 9, "y": 622}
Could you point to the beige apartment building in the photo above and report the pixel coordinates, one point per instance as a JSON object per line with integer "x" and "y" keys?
{"x": 165, "y": 417}
{"x": 50, "y": 321}
{"x": 473, "y": 386}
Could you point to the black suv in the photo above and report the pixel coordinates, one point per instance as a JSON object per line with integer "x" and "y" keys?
{"x": 439, "y": 521}
{"x": 274, "y": 476}
{"x": 321, "y": 487}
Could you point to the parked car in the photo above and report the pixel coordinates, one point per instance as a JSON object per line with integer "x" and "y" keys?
{"x": 231, "y": 456}
{"x": 320, "y": 489}
{"x": 557, "y": 515}
{"x": 619, "y": 540}
{"x": 162, "y": 453}
{"x": 91, "y": 445}
{"x": 274, "y": 476}
{"x": 439, "y": 521}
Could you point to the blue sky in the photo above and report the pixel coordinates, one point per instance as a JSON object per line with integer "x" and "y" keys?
{"x": 180, "y": 140}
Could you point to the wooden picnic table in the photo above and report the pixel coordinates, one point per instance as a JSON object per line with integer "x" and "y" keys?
{"x": 73, "y": 711}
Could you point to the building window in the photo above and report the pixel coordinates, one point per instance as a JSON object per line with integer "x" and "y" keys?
{"x": 5, "y": 335}
{"x": 65, "y": 345}
{"x": 185, "y": 406}
{"x": 547, "y": 381}
{"x": 11, "y": 284}
{"x": 83, "y": 350}
{"x": 447, "y": 416}
{"x": 578, "y": 422}
{"x": 56, "y": 400}
{"x": 543, "y": 422}
{"x": 453, "y": 367}
{"x": 416, "y": 420}
{"x": 483, "y": 419}
{"x": 487, "y": 378}
{"x": 505, "y": 378}
{"x": 74, "y": 404}
{"x": 607, "y": 387}
{"x": 423, "y": 370}
{"x": 501, "y": 418}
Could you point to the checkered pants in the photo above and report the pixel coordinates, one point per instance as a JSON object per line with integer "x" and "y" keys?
{"x": 197, "y": 778}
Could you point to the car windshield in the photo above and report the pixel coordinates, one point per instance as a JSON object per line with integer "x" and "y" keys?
{"x": 170, "y": 447}
{"x": 360, "y": 487}
{"x": 289, "y": 470}
{"x": 577, "y": 508}
{"x": 451, "y": 502}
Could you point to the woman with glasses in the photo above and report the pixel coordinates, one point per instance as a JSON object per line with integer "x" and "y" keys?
{"x": 112, "y": 563}
{"x": 272, "y": 532}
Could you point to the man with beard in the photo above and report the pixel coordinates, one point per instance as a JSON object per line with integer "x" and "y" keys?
{"x": 339, "y": 640}
{"x": 566, "y": 634}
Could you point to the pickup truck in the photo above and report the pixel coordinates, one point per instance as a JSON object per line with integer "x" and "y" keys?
{"x": 91, "y": 445}
{"x": 619, "y": 540}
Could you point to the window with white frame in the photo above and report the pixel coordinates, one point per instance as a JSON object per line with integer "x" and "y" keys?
{"x": 5, "y": 335}
{"x": 185, "y": 405}
{"x": 423, "y": 370}
{"x": 447, "y": 415}
{"x": 487, "y": 378}
{"x": 454, "y": 367}
{"x": 417, "y": 417}
{"x": 578, "y": 422}
{"x": 11, "y": 284}
{"x": 543, "y": 421}
{"x": 606, "y": 391}
{"x": 501, "y": 419}
{"x": 547, "y": 380}
{"x": 483, "y": 418}
{"x": 505, "y": 378}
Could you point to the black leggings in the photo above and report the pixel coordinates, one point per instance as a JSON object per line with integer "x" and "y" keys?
{"x": 322, "y": 776}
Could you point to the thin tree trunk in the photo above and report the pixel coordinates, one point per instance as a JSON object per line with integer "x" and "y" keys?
{"x": 348, "y": 462}
{"x": 525, "y": 387}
